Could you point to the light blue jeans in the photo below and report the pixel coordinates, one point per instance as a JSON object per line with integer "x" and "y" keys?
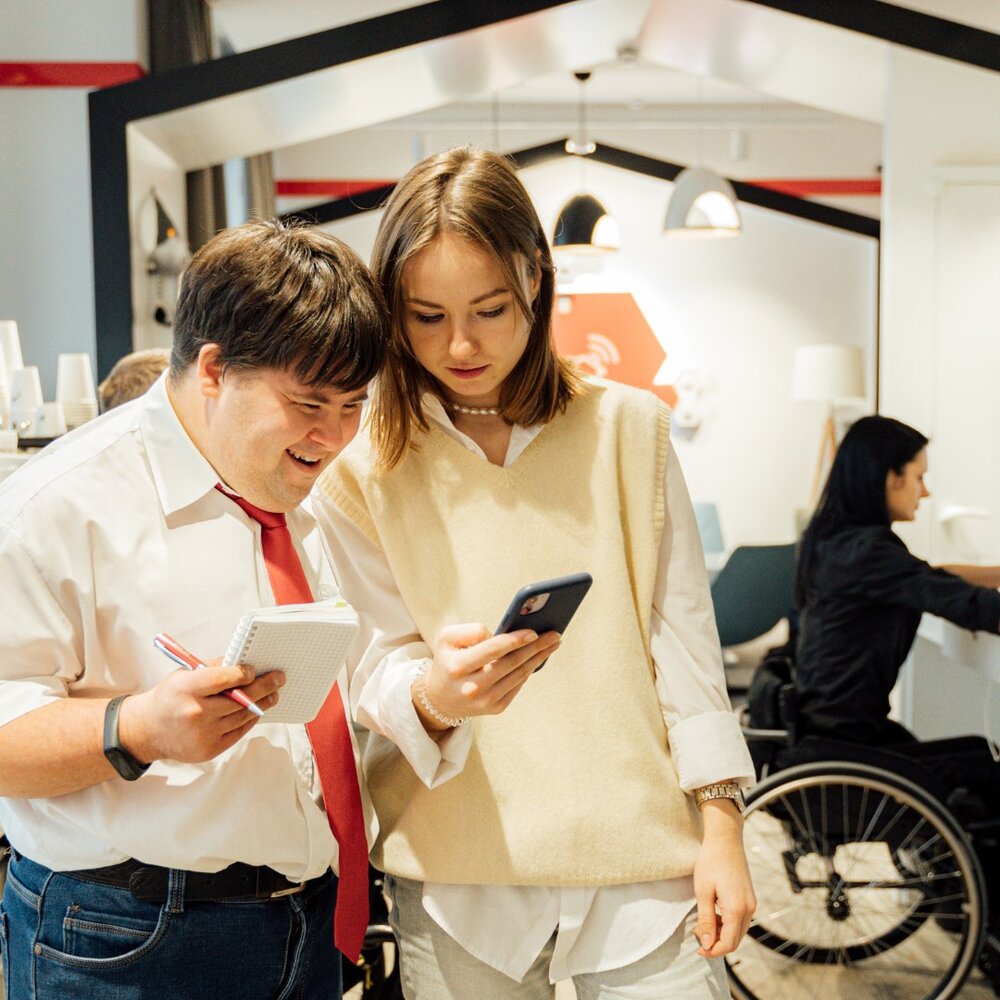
{"x": 435, "y": 967}
{"x": 63, "y": 938}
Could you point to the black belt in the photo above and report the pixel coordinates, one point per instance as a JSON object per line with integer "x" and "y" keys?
{"x": 149, "y": 882}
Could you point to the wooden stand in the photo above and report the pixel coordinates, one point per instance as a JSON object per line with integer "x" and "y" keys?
{"x": 827, "y": 450}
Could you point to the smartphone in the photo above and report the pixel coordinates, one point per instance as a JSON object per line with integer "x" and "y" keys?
{"x": 546, "y": 606}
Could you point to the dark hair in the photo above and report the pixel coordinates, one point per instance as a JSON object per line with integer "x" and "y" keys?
{"x": 474, "y": 195}
{"x": 854, "y": 493}
{"x": 274, "y": 295}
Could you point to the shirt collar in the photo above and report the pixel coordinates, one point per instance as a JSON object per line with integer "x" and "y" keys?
{"x": 181, "y": 474}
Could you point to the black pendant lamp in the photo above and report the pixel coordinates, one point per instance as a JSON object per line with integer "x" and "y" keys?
{"x": 583, "y": 224}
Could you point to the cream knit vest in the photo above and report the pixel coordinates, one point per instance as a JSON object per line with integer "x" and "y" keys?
{"x": 573, "y": 784}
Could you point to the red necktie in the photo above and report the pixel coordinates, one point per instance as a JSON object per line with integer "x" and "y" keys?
{"x": 331, "y": 743}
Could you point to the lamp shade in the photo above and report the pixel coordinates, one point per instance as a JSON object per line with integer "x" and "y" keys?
{"x": 824, "y": 373}
{"x": 702, "y": 204}
{"x": 584, "y": 226}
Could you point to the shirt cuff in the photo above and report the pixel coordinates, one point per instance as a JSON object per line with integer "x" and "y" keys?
{"x": 708, "y": 748}
{"x": 433, "y": 761}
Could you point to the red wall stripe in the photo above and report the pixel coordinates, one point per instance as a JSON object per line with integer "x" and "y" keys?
{"x": 68, "y": 74}
{"x": 328, "y": 189}
{"x": 806, "y": 186}
{"x": 800, "y": 187}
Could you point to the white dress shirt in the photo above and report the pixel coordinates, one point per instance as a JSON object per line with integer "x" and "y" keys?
{"x": 107, "y": 537}
{"x": 597, "y": 928}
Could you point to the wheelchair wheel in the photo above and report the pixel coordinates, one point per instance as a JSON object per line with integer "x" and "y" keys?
{"x": 867, "y": 889}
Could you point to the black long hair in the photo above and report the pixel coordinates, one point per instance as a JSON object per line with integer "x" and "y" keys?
{"x": 854, "y": 493}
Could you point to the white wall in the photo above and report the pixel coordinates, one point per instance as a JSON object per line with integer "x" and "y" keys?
{"x": 734, "y": 310}
{"x": 940, "y": 332}
{"x": 46, "y": 279}
{"x": 937, "y": 123}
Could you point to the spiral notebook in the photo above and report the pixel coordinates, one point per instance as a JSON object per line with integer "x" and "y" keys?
{"x": 307, "y": 641}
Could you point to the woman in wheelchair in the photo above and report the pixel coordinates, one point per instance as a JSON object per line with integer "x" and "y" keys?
{"x": 861, "y": 594}
{"x": 875, "y": 855}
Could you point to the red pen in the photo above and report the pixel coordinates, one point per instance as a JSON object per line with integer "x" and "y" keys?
{"x": 176, "y": 652}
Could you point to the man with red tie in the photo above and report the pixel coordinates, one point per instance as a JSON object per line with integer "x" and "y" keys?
{"x": 165, "y": 841}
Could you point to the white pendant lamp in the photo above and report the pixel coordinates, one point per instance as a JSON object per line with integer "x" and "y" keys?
{"x": 703, "y": 204}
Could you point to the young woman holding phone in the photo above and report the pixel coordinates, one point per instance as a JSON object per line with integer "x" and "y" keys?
{"x": 583, "y": 821}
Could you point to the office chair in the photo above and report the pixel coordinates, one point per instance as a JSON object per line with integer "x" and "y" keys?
{"x": 753, "y": 591}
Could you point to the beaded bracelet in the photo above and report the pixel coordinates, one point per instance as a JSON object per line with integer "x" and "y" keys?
{"x": 429, "y": 707}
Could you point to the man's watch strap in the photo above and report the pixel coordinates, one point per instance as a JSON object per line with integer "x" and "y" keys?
{"x": 119, "y": 758}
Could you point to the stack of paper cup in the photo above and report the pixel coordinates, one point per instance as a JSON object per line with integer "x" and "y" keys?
{"x": 75, "y": 389}
{"x": 10, "y": 357}
{"x": 25, "y": 398}
{"x": 10, "y": 344}
{"x": 4, "y": 392}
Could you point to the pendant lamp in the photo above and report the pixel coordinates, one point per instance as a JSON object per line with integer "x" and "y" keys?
{"x": 703, "y": 204}
{"x": 583, "y": 225}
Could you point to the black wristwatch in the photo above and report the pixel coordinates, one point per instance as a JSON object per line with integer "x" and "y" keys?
{"x": 121, "y": 760}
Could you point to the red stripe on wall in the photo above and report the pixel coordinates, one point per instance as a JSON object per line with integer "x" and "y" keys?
{"x": 800, "y": 187}
{"x": 329, "y": 189}
{"x": 807, "y": 186}
{"x": 68, "y": 74}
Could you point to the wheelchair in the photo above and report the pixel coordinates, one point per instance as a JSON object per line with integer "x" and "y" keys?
{"x": 869, "y": 883}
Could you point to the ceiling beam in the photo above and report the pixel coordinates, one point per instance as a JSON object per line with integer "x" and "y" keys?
{"x": 913, "y": 29}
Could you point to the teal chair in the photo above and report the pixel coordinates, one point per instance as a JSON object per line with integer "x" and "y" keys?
{"x": 753, "y": 591}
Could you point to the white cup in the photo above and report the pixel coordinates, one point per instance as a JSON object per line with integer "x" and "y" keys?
{"x": 10, "y": 344}
{"x": 8, "y": 442}
{"x": 4, "y": 392}
{"x": 75, "y": 379}
{"x": 25, "y": 390}
{"x": 49, "y": 421}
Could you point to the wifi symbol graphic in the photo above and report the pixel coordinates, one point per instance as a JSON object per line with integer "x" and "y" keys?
{"x": 601, "y": 355}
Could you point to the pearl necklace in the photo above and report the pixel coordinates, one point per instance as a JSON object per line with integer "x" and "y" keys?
{"x": 477, "y": 411}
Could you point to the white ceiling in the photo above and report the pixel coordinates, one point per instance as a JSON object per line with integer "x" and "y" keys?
{"x": 679, "y": 65}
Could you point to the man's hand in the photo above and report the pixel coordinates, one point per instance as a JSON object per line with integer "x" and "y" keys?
{"x": 476, "y": 673}
{"x": 187, "y": 717}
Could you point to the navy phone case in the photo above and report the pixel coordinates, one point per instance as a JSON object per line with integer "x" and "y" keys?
{"x": 564, "y": 596}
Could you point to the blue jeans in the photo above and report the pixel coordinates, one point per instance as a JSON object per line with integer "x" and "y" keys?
{"x": 62, "y": 937}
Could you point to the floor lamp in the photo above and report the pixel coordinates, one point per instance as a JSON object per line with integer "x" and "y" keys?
{"x": 827, "y": 373}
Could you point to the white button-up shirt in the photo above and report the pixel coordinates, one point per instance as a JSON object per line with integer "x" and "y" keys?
{"x": 506, "y": 927}
{"x": 107, "y": 537}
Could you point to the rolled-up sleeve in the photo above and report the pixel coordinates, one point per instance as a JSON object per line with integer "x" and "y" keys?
{"x": 383, "y": 667}
{"x": 704, "y": 733}
{"x": 37, "y": 642}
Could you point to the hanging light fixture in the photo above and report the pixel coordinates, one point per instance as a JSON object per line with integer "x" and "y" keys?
{"x": 703, "y": 204}
{"x": 583, "y": 224}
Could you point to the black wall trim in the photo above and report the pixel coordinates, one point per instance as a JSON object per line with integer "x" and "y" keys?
{"x": 369, "y": 201}
{"x": 752, "y": 194}
{"x": 112, "y": 109}
{"x": 913, "y": 29}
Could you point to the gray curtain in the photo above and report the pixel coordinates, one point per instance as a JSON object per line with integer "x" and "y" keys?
{"x": 180, "y": 35}
{"x": 261, "y": 200}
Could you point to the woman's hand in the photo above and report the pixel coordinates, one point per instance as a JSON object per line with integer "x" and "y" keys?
{"x": 722, "y": 885}
{"x": 476, "y": 673}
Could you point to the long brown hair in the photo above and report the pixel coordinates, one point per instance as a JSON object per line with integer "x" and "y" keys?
{"x": 474, "y": 195}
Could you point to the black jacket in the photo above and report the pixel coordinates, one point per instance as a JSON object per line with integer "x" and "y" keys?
{"x": 867, "y": 596}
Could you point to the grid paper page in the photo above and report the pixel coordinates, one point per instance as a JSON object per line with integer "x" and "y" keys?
{"x": 310, "y": 653}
